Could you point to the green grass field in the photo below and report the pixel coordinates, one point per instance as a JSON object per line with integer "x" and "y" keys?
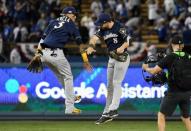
{"x": 87, "y": 126}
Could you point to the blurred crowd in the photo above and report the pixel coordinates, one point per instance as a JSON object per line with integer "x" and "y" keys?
{"x": 168, "y": 17}
{"x": 25, "y": 20}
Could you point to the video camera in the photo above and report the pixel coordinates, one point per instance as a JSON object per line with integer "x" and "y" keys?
{"x": 158, "y": 79}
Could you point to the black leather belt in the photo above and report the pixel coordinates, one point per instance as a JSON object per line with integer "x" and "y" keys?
{"x": 52, "y": 48}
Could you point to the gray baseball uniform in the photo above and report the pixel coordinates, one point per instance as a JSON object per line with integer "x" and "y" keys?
{"x": 115, "y": 74}
{"x": 57, "y": 62}
{"x": 56, "y": 35}
{"x": 116, "y": 70}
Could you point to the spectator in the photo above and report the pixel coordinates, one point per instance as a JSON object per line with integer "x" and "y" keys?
{"x": 135, "y": 21}
{"x": 3, "y": 10}
{"x": 169, "y": 7}
{"x": 134, "y": 7}
{"x": 135, "y": 32}
{"x": 96, "y": 7}
{"x": 10, "y": 5}
{"x": 188, "y": 21}
{"x": 56, "y": 7}
{"x": 174, "y": 23}
{"x": 2, "y": 57}
{"x": 112, "y": 4}
{"x": 35, "y": 33}
{"x": 181, "y": 8}
{"x": 33, "y": 13}
{"x": 7, "y": 33}
{"x": 41, "y": 23}
{"x": 186, "y": 36}
{"x": 15, "y": 57}
{"x": 121, "y": 10}
{"x": 20, "y": 13}
{"x": 20, "y": 33}
{"x": 86, "y": 20}
{"x": 161, "y": 29}
{"x": 152, "y": 11}
{"x": 44, "y": 7}
{"x": 92, "y": 27}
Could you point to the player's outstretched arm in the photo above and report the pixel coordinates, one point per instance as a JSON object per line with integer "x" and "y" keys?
{"x": 125, "y": 45}
{"x": 92, "y": 43}
{"x": 89, "y": 51}
{"x": 86, "y": 62}
{"x": 121, "y": 49}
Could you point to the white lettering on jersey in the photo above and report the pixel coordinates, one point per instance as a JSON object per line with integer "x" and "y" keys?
{"x": 110, "y": 36}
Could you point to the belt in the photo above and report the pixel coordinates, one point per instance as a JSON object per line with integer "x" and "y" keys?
{"x": 52, "y": 48}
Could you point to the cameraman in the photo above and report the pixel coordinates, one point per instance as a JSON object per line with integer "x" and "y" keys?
{"x": 173, "y": 96}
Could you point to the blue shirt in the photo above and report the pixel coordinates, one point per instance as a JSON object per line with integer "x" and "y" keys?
{"x": 114, "y": 37}
{"x": 59, "y": 32}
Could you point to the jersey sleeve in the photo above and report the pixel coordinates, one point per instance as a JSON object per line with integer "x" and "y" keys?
{"x": 124, "y": 35}
{"x": 99, "y": 33}
{"x": 75, "y": 32}
{"x": 46, "y": 32}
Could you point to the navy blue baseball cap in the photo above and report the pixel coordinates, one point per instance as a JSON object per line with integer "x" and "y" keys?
{"x": 103, "y": 18}
{"x": 69, "y": 10}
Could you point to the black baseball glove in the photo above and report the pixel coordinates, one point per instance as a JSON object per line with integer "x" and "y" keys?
{"x": 35, "y": 65}
{"x": 119, "y": 57}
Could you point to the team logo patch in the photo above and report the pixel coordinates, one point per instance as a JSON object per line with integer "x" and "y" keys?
{"x": 122, "y": 30}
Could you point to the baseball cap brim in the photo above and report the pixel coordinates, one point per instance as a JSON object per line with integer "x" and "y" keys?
{"x": 98, "y": 23}
{"x": 75, "y": 13}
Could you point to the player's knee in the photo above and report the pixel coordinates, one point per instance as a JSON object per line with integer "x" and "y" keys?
{"x": 116, "y": 83}
{"x": 69, "y": 77}
{"x": 109, "y": 90}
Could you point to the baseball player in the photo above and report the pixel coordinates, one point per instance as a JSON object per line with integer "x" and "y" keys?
{"x": 50, "y": 51}
{"x": 115, "y": 36}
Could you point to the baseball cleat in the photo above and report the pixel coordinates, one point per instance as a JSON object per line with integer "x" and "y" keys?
{"x": 105, "y": 114}
{"x": 112, "y": 114}
{"x": 77, "y": 99}
{"x": 75, "y": 111}
{"x": 103, "y": 120}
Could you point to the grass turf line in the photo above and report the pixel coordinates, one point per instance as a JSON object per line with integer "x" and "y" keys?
{"x": 87, "y": 126}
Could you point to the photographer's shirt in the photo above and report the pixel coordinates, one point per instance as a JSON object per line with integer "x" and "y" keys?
{"x": 166, "y": 63}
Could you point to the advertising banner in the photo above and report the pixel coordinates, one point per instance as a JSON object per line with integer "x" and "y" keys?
{"x": 21, "y": 90}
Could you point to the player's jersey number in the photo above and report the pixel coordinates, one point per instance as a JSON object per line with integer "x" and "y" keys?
{"x": 115, "y": 40}
{"x": 60, "y": 24}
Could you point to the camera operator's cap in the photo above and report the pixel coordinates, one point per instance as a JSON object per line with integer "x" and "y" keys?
{"x": 177, "y": 40}
{"x": 103, "y": 18}
{"x": 69, "y": 10}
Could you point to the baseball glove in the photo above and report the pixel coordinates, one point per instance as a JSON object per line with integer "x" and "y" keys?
{"x": 119, "y": 57}
{"x": 35, "y": 65}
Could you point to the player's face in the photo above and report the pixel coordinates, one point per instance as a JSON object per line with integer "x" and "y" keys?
{"x": 72, "y": 16}
{"x": 105, "y": 26}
